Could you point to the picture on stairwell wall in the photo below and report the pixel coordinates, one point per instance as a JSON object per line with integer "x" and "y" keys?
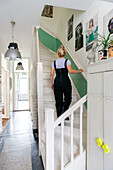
{"x": 108, "y": 23}
{"x": 78, "y": 36}
{"x": 47, "y": 11}
{"x": 91, "y": 31}
{"x": 70, "y": 28}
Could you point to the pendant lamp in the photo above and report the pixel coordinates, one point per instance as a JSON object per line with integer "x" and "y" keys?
{"x": 19, "y": 66}
{"x": 13, "y": 51}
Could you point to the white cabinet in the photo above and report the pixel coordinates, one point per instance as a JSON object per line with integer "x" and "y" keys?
{"x": 100, "y": 115}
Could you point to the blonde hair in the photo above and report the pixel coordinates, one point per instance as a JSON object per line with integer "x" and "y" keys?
{"x": 61, "y": 51}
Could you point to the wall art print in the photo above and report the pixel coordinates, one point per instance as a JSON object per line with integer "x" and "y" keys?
{"x": 108, "y": 23}
{"x": 47, "y": 11}
{"x": 78, "y": 36}
{"x": 91, "y": 31}
{"x": 70, "y": 28}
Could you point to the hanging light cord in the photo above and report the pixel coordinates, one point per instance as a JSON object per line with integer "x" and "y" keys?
{"x": 13, "y": 24}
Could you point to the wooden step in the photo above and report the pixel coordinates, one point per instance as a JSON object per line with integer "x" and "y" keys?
{"x": 76, "y": 122}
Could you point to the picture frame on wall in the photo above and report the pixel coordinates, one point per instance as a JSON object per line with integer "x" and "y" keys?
{"x": 108, "y": 28}
{"x": 47, "y": 11}
{"x": 70, "y": 28}
{"x": 78, "y": 36}
{"x": 108, "y": 23}
{"x": 91, "y": 31}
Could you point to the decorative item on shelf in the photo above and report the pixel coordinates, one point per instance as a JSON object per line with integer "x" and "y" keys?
{"x": 19, "y": 66}
{"x": 99, "y": 141}
{"x": 110, "y": 48}
{"x": 110, "y": 51}
{"x": 3, "y": 109}
{"x": 102, "y": 42}
{"x": 91, "y": 54}
{"x": 106, "y": 148}
{"x": 13, "y": 51}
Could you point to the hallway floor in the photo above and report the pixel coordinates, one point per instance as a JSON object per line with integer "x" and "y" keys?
{"x": 18, "y": 149}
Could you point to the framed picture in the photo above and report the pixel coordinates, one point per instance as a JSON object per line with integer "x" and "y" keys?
{"x": 91, "y": 32}
{"x": 78, "y": 37}
{"x": 47, "y": 11}
{"x": 108, "y": 23}
{"x": 70, "y": 28}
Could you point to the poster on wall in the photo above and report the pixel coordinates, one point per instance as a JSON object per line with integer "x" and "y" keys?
{"x": 108, "y": 23}
{"x": 78, "y": 37}
{"x": 47, "y": 11}
{"x": 70, "y": 28}
{"x": 91, "y": 31}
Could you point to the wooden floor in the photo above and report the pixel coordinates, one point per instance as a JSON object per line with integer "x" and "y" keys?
{"x": 4, "y": 123}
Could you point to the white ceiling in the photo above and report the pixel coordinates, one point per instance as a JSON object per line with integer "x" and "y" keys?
{"x": 26, "y": 14}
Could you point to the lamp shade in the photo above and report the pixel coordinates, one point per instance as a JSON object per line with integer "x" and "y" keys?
{"x": 13, "y": 54}
{"x": 19, "y": 66}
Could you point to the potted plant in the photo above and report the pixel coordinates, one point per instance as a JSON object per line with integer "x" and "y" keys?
{"x": 102, "y": 42}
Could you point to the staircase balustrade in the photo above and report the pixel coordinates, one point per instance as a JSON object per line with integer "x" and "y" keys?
{"x": 50, "y": 131}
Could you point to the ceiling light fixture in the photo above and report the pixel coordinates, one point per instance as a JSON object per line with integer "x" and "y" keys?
{"x": 13, "y": 51}
{"x": 19, "y": 66}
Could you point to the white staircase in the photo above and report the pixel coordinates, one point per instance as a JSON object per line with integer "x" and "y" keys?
{"x": 67, "y": 137}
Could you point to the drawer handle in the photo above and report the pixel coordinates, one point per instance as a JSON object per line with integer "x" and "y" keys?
{"x": 106, "y": 148}
{"x": 99, "y": 141}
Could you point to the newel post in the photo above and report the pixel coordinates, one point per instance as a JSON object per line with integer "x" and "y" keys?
{"x": 49, "y": 120}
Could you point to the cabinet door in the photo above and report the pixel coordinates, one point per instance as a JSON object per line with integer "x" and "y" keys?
{"x": 95, "y": 121}
{"x": 108, "y": 118}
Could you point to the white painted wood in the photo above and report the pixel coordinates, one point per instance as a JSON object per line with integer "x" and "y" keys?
{"x": 37, "y": 44}
{"x": 71, "y": 133}
{"x": 49, "y": 117}
{"x": 70, "y": 110}
{"x": 34, "y": 84}
{"x": 100, "y": 114}
{"x": 108, "y": 118}
{"x": 48, "y": 100}
{"x": 95, "y": 130}
{"x": 81, "y": 112}
{"x": 79, "y": 163}
{"x": 40, "y": 102}
{"x": 62, "y": 145}
{"x": 102, "y": 66}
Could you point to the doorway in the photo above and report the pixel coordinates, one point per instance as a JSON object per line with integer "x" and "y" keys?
{"x": 21, "y": 88}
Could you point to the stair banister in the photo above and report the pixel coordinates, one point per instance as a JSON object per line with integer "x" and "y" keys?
{"x": 62, "y": 145}
{"x": 49, "y": 123}
{"x": 71, "y": 135}
{"x": 81, "y": 112}
{"x": 70, "y": 110}
{"x": 50, "y": 128}
{"x": 40, "y": 102}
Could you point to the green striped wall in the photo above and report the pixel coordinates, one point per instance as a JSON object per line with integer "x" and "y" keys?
{"x": 53, "y": 44}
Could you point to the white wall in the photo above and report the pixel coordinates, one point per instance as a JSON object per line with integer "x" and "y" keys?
{"x": 59, "y": 26}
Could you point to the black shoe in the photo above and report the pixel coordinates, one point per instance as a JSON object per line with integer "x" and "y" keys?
{"x": 67, "y": 118}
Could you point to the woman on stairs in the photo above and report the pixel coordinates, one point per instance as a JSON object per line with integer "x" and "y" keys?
{"x": 62, "y": 85}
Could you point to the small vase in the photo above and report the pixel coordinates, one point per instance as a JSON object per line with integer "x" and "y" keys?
{"x": 102, "y": 54}
{"x": 91, "y": 57}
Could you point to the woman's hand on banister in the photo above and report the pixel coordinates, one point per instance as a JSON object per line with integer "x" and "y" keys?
{"x": 81, "y": 70}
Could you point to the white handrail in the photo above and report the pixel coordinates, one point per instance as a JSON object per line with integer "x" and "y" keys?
{"x": 70, "y": 110}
